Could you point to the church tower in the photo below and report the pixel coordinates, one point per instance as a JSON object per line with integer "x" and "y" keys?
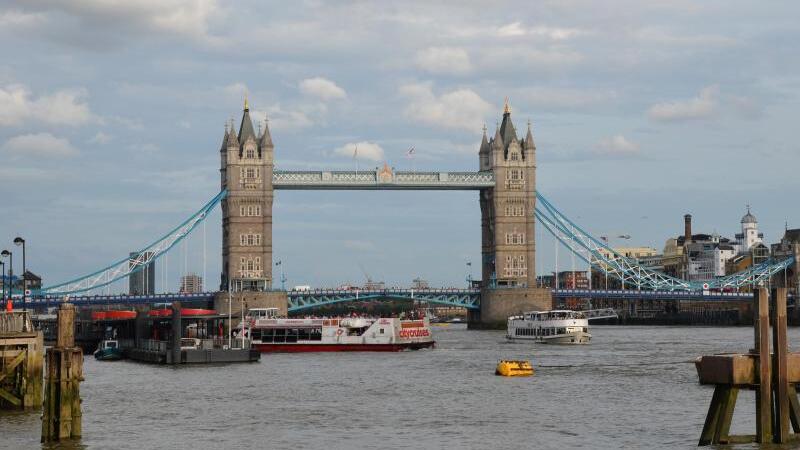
{"x": 507, "y": 221}
{"x": 246, "y": 172}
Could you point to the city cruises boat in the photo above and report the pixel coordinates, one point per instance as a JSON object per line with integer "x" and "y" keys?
{"x": 269, "y": 333}
{"x": 108, "y": 350}
{"x": 550, "y": 327}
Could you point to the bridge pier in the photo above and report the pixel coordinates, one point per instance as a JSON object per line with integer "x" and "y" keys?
{"x": 246, "y": 299}
{"x": 498, "y": 304}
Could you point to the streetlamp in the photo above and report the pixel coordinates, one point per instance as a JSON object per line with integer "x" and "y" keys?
{"x": 19, "y": 241}
{"x": 469, "y": 274}
{"x": 10, "y": 256}
{"x": 606, "y": 239}
{"x": 3, "y": 265}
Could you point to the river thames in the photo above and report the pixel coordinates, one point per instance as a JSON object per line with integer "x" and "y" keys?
{"x": 632, "y": 387}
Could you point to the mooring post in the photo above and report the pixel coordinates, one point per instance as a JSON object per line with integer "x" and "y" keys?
{"x": 780, "y": 369}
{"x": 177, "y": 331}
{"x": 61, "y": 418}
{"x": 763, "y": 393}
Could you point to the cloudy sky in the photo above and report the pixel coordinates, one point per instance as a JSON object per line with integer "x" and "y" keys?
{"x": 112, "y": 112}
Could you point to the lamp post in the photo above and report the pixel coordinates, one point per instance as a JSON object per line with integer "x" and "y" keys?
{"x": 469, "y": 274}
{"x": 3, "y": 265}
{"x": 607, "y": 240}
{"x": 6, "y": 253}
{"x": 19, "y": 241}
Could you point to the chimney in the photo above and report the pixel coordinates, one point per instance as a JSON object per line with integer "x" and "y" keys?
{"x": 687, "y": 229}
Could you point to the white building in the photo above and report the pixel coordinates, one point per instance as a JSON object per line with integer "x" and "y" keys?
{"x": 749, "y": 235}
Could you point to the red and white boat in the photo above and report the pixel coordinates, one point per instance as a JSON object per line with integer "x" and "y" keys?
{"x": 269, "y": 333}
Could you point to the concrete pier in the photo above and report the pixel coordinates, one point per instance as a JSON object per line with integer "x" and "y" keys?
{"x": 498, "y": 304}
{"x": 61, "y": 418}
{"x": 20, "y": 362}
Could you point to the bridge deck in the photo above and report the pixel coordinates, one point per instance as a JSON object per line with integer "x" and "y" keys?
{"x": 378, "y": 179}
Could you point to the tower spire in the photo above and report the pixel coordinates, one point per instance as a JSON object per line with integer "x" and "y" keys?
{"x": 246, "y": 106}
{"x": 506, "y": 108}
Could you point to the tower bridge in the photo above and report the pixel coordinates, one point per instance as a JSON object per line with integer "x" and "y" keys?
{"x": 510, "y": 205}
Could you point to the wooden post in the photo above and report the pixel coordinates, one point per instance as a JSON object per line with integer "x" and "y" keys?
{"x": 780, "y": 370}
{"x": 61, "y": 418}
{"x": 763, "y": 393}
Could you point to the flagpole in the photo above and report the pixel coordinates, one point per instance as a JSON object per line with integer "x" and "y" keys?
{"x": 355, "y": 157}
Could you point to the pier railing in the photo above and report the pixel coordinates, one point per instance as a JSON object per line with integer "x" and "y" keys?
{"x": 15, "y": 322}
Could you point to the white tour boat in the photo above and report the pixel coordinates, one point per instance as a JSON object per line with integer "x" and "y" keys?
{"x": 269, "y": 333}
{"x": 552, "y": 327}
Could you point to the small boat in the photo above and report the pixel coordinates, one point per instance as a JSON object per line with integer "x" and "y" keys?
{"x": 550, "y": 327}
{"x": 514, "y": 368}
{"x": 108, "y": 350}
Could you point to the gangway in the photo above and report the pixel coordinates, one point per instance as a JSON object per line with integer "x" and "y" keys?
{"x": 598, "y": 314}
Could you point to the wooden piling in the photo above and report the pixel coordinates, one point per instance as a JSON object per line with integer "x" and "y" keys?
{"x": 780, "y": 369}
{"x": 764, "y": 390}
{"x": 61, "y": 418}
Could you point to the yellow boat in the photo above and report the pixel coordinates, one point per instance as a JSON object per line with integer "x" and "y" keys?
{"x": 512, "y": 368}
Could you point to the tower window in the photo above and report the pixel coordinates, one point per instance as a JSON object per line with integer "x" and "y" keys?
{"x": 250, "y": 154}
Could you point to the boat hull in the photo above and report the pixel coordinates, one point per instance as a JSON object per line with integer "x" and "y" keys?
{"x": 574, "y": 338}
{"x": 304, "y": 348}
{"x": 108, "y": 354}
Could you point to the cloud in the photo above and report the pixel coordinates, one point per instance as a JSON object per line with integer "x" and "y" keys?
{"x": 64, "y": 107}
{"x": 462, "y": 108}
{"x": 20, "y": 19}
{"x": 515, "y": 29}
{"x": 444, "y": 60}
{"x": 100, "y": 138}
{"x": 366, "y": 150}
{"x": 564, "y": 98}
{"x": 700, "y": 107}
{"x": 617, "y": 146}
{"x": 322, "y": 88}
{"x": 91, "y": 17}
{"x": 39, "y": 145}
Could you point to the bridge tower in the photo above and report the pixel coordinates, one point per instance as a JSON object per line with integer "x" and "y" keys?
{"x": 246, "y": 172}
{"x": 508, "y": 244}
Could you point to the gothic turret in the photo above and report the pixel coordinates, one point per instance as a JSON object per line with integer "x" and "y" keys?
{"x": 265, "y": 141}
{"x": 528, "y": 147}
{"x": 507, "y": 129}
{"x": 232, "y": 140}
{"x": 224, "y": 147}
{"x": 484, "y": 152}
{"x": 246, "y": 128}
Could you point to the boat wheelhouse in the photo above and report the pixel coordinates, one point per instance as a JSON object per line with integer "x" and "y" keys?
{"x": 552, "y": 327}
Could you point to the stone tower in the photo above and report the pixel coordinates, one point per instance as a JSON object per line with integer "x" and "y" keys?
{"x": 246, "y": 172}
{"x": 507, "y": 222}
{"x": 508, "y": 243}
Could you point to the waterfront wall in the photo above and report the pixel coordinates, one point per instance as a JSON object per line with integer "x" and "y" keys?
{"x": 498, "y": 304}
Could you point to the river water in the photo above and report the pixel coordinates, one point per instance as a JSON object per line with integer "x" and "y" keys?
{"x": 632, "y": 387}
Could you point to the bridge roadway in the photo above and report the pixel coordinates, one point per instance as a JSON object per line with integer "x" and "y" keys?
{"x": 464, "y": 298}
{"x": 384, "y": 179}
